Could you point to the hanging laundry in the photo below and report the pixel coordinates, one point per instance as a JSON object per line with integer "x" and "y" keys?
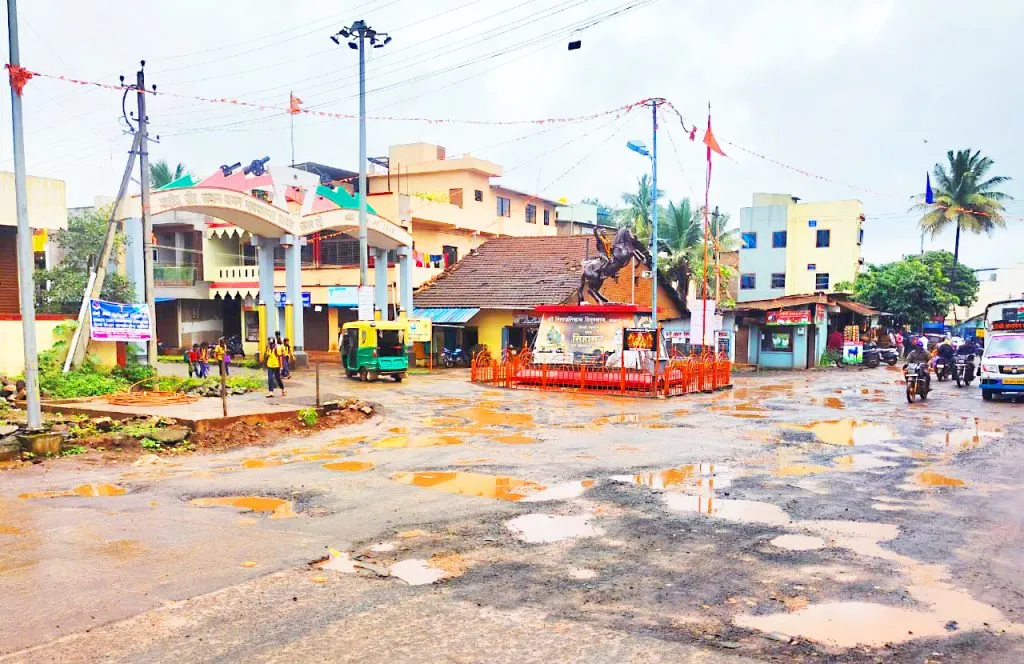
{"x": 418, "y": 255}
{"x": 436, "y": 259}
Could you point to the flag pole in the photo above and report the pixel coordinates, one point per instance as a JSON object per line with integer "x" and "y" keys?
{"x": 291, "y": 113}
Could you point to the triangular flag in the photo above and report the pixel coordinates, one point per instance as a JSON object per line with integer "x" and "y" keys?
{"x": 294, "y": 104}
{"x": 929, "y": 196}
{"x": 709, "y": 140}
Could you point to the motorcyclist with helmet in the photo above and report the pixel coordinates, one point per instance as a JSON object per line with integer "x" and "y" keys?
{"x": 944, "y": 356}
{"x": 920, "y": 356}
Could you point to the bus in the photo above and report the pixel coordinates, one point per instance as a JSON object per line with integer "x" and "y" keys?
{"x": 1002, "y": 363}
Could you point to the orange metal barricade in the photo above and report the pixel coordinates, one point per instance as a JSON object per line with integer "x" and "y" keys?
{"x": 677, "y": 376}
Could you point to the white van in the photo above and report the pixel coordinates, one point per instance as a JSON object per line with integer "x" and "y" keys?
{"x": 1002, "y": 365}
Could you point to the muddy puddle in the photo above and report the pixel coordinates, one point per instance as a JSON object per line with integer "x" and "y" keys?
{"x": 847, "y": 432}
{"x": 348, "y": 466}
{"x": 82, "y": 491}
{"x": 694, "y": 477}
{"x": 500, "y": 487}
{"x": 546, "y": 528}
{"x": 275, "y": 507}
{"x": 261, "y": 463}
{"x": 798, "y": 542}
{"x": 967, "y": 438}
{"x": 929, "y": 478}
{"x": 635, "y": 419}
{"x": 411, "y": 441}
{"x": 515, "y": 439}
{"x": 739, "y": 511}
{"x": 486, "y": 416}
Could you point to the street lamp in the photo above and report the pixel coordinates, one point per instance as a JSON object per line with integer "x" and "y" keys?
{"x": 640, "y": 148}
{"x": 357, "y": 34}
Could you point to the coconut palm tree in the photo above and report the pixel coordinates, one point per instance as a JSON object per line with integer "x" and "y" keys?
{"x": 160, "y": 173}
{"x": 721, "y": 238}
{"x": 637, "y": 213}
{"x": 964, "y": 196}
{"x": 678, "y": 235}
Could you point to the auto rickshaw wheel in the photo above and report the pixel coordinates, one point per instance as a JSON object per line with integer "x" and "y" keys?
{"x": 372, "y": 375}
{"x": 399, "y": 377}
{"x": 363, "y": 374}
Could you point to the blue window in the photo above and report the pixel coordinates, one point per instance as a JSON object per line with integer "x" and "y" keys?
{"x": 860, "y": 236}
{"x": 748, "y": 281}
{"x": 811, "y": 223}
{"x": 811, "y": 267}
{"x": 749, "y": 240}
{"x": 821, "y": 281}
{"x": 778, "y": 279}
{"x": 824, "y": 238}
{"x": 778, "y": 239}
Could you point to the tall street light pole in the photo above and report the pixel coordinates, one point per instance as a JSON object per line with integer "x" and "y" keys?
{"x": 640, "y": 148}
{"x": 26, "y": 262}
{"x": 357, "y": 34}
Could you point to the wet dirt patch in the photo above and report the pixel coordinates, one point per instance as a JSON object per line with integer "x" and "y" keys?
{"x": 649, "y": 421}
{"x": 515, "y": 439}
{"x": 261, "y": 463}
{"x": 500, "y": 487}
{"x": 486, "y": 416}
{"x": 929, "y": 478}
{"x": 276, "y": 508}
{"x": 349, "y": 466}
{"x": 81, "y": 491}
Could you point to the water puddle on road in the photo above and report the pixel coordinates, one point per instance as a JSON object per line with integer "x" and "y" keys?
{"x": 320, "y": 456}
{"x": 694, "y": 476}
{"x": 500, "y": 487}
{"x": 261, "y": 463}
{"x": 416, "y": 572}
{"x": 856, "y": 462}
{"x": 11, "y": 530}
{"x": 276, "y": 507}
{"x": 515, "y": 439}
{"x": 485, "y": 416}
{"x": 847, "y": 432}
{"x": 798, "y": 542}
{"x": 800, "y": 469}
{"x": 398, "y": 442}
{"x": 546, "y": 528}
{"x": 740, "y": 511}
{"x": 82, "y": 491}
{"x": 348, "y": 466}
{"x": 561, "y": 491}
{"x": 929, "y": 478}
{"x": 345, "y": 442}
{"x": 966, "y": 439}
{"x": 635, "y": 419}
{"x": 442, "y": 421}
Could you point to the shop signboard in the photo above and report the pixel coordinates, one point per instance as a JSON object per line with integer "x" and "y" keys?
{"x": 281, "y": 299}
{"x": 419, "y": 330}
{"x": 343, "y": 296}
{"x": 365, "y": 301}
{"x": 788, "y": 317}
{"x": 110, "y": 321}
{"x": 699, "y": 324}
{"x": 819, "y": 314}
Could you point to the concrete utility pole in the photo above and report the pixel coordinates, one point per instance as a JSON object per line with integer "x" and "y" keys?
{"x": 654, "y": 216}
{"x": 26, "y": 260}
{"x": 357, "y": 34}
{"x": 147, "y": 219}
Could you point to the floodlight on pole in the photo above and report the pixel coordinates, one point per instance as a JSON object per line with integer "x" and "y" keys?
{"x": 357, "y": 34}
{"x": 638, "y": 147}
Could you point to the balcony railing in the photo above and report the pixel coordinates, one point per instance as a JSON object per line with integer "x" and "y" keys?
{"x": 175, "y": 275}
{"x": 235, "y": 273}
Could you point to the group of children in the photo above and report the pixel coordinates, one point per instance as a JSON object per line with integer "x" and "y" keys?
{"x": 200, "y": 356}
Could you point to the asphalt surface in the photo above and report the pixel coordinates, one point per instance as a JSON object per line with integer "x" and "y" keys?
{"x": 802, "y": 517}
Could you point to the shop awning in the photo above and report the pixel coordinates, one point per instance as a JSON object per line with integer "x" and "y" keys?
{"x": 446, "y": 315}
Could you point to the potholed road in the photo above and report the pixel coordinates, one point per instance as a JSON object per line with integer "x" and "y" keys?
{"x": 801, "y": 516}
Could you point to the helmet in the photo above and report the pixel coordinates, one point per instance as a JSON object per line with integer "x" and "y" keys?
{"x": 920, "y": 342}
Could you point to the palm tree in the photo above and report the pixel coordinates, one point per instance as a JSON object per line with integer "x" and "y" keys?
{"x": 965, "y": 197}
{"x": 637, "y": 213}
{"x": 721, "y": 238}
{"x": 679, "y": 235}
{"x": 160, "y": 173}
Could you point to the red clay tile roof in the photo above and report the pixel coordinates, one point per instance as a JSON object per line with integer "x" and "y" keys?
{"x": 523, "y": 272}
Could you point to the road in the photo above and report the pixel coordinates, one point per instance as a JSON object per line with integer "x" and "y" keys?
{"x": 801, "y": 517}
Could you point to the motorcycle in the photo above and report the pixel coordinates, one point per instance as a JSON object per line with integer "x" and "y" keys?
{"x": 871, "y": 356}
{"x": 454, "y": 358}
{"x": 918, "y": 381}
{"x": 963, "y": 369}
{"x": 943, "y": 368}
{"x": 234, "y": 346}
{"x": 889, "y": 355}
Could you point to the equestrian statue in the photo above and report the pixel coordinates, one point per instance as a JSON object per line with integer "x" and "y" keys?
{"x": 613, "y": 256}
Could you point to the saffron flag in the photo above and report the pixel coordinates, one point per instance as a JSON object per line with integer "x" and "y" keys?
{"x": 709, "y": 140}
{"x": 294, "y": 104}
{"x": 929, "y": 196}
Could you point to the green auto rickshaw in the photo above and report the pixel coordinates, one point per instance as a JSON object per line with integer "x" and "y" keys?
{"x": 373, "y": 348}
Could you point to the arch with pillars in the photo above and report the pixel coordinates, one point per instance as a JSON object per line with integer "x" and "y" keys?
{"x": 291, "y": 206}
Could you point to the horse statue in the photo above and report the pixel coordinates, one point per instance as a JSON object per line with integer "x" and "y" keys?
{"x": 613, "y": 256}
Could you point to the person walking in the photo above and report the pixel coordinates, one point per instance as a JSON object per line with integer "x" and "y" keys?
{"x": 287, "y": 358}
{"x": 899, "y": 341}
{"x": 192, "y": 357}
{"x": 273, "y": 364}
{"x": 204, "y": 360}
{"x": 220, "y": 356}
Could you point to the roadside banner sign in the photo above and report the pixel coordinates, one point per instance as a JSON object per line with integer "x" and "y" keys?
{"x": 419, "y": 330}
{"x": 110, "y": 321}
{"x": 366, "y": 303}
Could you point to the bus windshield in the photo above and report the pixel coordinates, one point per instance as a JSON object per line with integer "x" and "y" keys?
{"x": 1006, "y": 347}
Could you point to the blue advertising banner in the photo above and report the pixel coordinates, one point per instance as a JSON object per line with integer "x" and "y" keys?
{"x": 110, "y": 321}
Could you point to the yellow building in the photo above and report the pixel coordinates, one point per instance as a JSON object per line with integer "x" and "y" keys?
{"x": 793, "y": 248}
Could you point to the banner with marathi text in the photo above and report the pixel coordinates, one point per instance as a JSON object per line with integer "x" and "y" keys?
{"x": 110, "y": 321}
{"x": 579, "y": 338}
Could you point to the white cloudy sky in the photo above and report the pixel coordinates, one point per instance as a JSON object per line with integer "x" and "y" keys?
{"x": 869, "y": 93}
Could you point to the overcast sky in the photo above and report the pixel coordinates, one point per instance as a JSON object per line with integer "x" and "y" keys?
{"x": 867, "y": 93}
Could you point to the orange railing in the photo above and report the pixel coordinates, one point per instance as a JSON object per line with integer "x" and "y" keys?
{"x": 679, "y": 375}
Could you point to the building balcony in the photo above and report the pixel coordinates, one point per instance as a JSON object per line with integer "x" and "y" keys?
{"x": 176, "y": 275}
{"x": 234, "y": 274}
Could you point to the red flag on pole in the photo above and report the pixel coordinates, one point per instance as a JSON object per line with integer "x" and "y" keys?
{"x": 709, "y": 139}
{"x": 294, "y": 104}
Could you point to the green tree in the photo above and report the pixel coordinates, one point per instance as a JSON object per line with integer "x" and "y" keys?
{"x": 965, "y": 197}
{"x": 910, "y": 289}
{"x": 678, "y": 235}
{"x": 63, "y": 286}
{"x": 637, "y": 213}
{"x": 160, "y": 173}
{"x": 962, "y": 283}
